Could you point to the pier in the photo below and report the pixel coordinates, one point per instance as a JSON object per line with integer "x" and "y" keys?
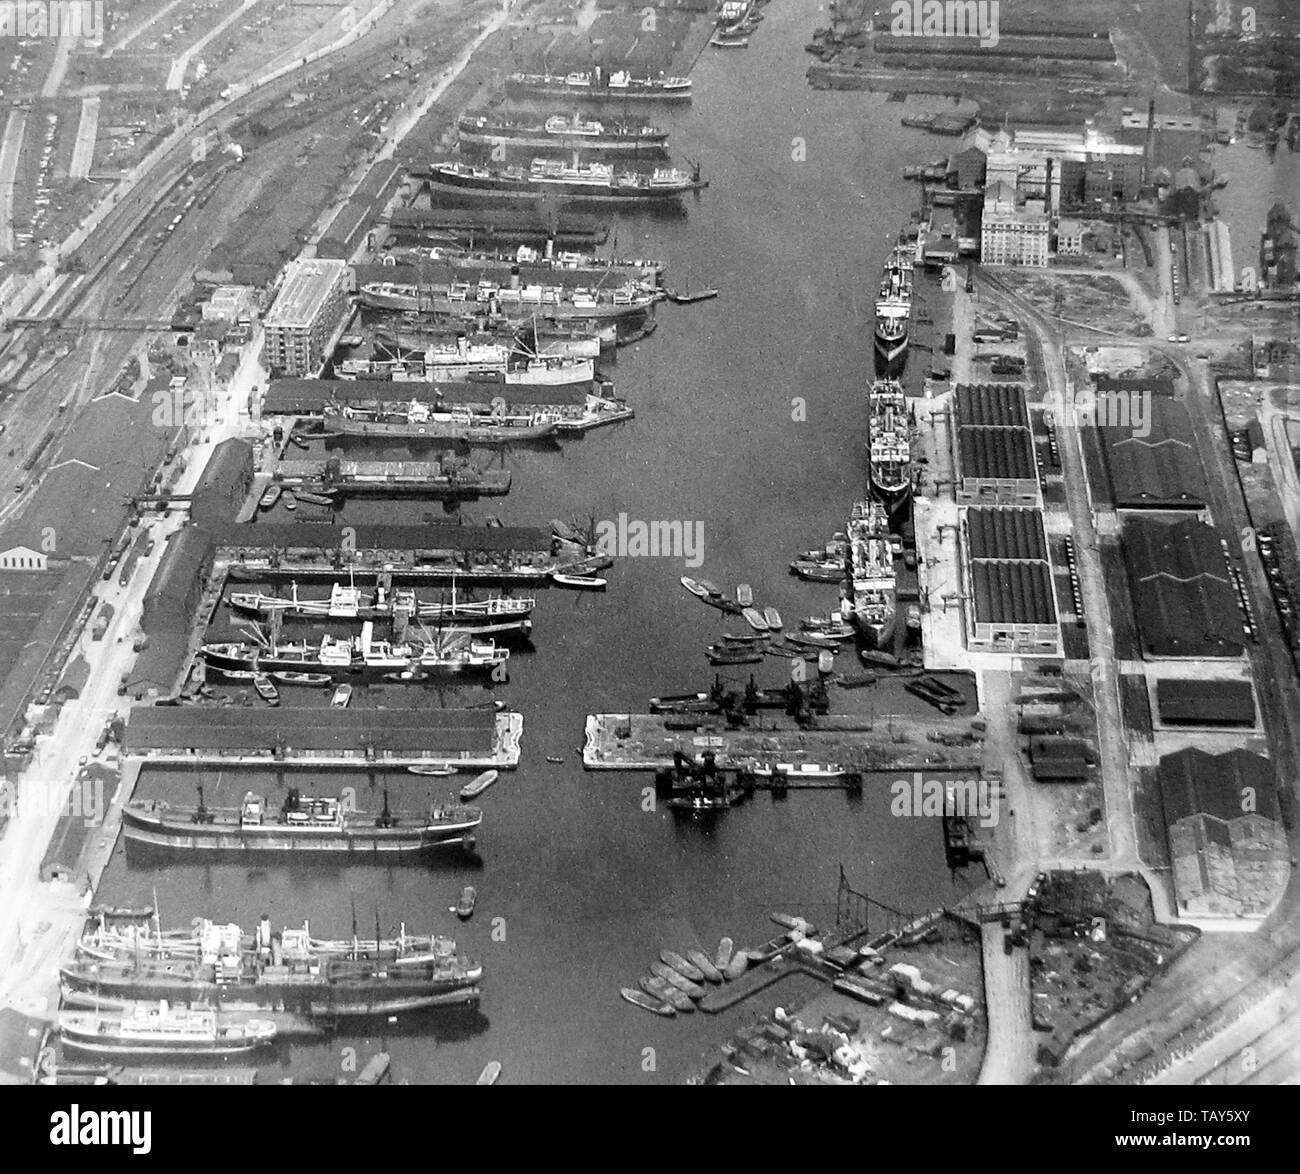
{"x": 641, "y": 741}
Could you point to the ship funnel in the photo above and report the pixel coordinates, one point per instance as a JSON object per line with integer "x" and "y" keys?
{"x": 550, "y": 247}
{"x": 264, "y": 932}
{"x": 367, "y": 634}
{"x": 514, "y": 276}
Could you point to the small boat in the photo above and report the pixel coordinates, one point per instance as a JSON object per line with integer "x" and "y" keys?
{"x": 723, "y": 604}
{"x": 691, "y": 990}
{"x": 694, "y": 587}
{"x": 825, "y": 661}
{"x": 579, "y": 582}
{"x": 755, "y": 619}
{"x": 491, "y": 1071}
{"x": 266, "y": 690}
{"x": 790, "y": 921}
{"x": 814, "y": 640}
{"x": 681, "y": 298}
{"x": 292, "y": 678}
{"x": 722, "y": 654}
{"x": 831, "y": 629}
{"x": 884, "y": 659}
{"x": 711, "y": 588}
{"x": 406, "y": 677}
{"x": 857, "y": 680}
{"x": 705, "y": 963}
{"x": 313, "y": 498}
{"x": 719, "y": 41}
{"x": 554, "y": 759}
{"x": 773, "y": 618}
{"x": 160, "y": 1029}
{"x": 722, "y": 956}
{"x": 745, "y": 638}
{"x": 745, "y": 595}
{"x": 270, "y": 495}
{"x": 646, "y": 1003}
{"x": 290, "y": 502}
{"x": 437, "y": 772}
{"x": 738, "y": 965}
{"x": 342, "y": 696}
{"x": 679, "y": 964}
{"x": 478, "y": 785}
{"x": 465, "y": 906}
{"x": 658, "y": 989}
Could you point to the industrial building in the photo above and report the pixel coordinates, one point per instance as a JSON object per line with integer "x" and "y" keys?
{"x": 1012, "y": 607}
{"x": 1227, "y": 845}
{"x": 1183, "y": 597}
{"x": 994, "y": 455}
{"x": 324, "y": 736}
{"x": 1183, "y": 702}
{"x": 1160, "y": 470}
{"x": 307, "y": 312}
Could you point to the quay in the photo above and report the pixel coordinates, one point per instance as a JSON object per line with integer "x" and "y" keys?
{"x": 316, "y": 738}
{"x": 642, "y": 741}
{"x": 431, "y": 479}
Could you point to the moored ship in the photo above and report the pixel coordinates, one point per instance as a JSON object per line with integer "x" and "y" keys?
{"x": 302, "y": 824}
{"x": 894, "y": 310}
{"x": 890, "y": 444}
{"x": 598, "y": 86}
{"x": 871, "y": 598}
{"x": 351, "y": 603}
{"x": 284, "y": 971}
{"x": 420, "y": 421}
{"x": 460, "y": 360}
{"x": 515, "y": 303}
{"x": 557, "y": 130}
{"x": 576, "y": 181}
{"x": 160, "y": 1030}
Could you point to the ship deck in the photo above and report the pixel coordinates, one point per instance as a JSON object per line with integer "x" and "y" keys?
{"x": 638, "y": 741}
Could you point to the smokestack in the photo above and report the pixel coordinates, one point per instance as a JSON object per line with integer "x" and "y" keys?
{"x": 1149, "y": 156}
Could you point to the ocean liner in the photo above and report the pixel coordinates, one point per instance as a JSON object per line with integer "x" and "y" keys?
{"x": 598, "y": 86}
{"x": 894, "y": 310}
{"x": 889, "y": 444}
{"x": 575, "y": 181}
{"x": 870, "y": 602}
{"x": 576, "y": 132}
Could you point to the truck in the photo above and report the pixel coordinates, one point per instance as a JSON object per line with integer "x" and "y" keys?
{"x": 102, "y": 620}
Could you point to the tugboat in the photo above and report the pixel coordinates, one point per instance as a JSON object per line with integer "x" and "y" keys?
{"x": 465, "y": 906}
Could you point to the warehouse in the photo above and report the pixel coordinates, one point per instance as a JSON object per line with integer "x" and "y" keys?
{"x": 1183, "y": 598}
{"x": 994, "y": 447}
{"x": 1229, "y": 851}
{"x": 1011, "y": 607}
{"x": 320, "y": 737}
{"x": 1157, "y": 471}
{"x": 1205, "y": 703}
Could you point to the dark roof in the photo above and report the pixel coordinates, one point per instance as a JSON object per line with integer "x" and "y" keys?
{"x": 996, "y": 453}
{"x": 1013, "y": 593}
{"x": 999, "y": 404}
{"x": 1205, "y": 703}
{"x": 1060, "y": 768}
{"x": 1160, "y": 386}
{"x": 1183, "y": 599}
{"x": 1224, "y": 786}
{"x": 185, "y": 727}
{"x": 20, "y": 1044}
{"x": 181, "y": 570}
{"x": 321, "y": 536}
{"x": 287, "y": 397}
{"x": 1160, "y": 470}
{"x": 1006, "y": 533}
{"x": 225, "y": 482}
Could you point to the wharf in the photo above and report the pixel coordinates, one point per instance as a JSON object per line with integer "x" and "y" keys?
{"x": 622, "y": 741}
{"x": 756, "y": 980}
{"x": 431, "y": 479}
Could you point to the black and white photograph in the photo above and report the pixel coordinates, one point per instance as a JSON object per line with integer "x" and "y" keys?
{"x": 649, "y": 543}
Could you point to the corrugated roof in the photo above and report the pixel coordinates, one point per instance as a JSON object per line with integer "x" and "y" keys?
{"x": 992, "y": 404}
{"x": 1183, "y": 599}
{"x": 1205, "y": 703}
{"x": 1160, "y": 470}
{"x": 996, "y": 453}
{"x": 188, "y": 727}
{"x": 1224, "y": 786}
{"x": 1013, "y": 593}
{"x": 1006, "y": 533}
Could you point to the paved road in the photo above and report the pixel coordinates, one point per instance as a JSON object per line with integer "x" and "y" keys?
{"x": 1010, "y": 1055}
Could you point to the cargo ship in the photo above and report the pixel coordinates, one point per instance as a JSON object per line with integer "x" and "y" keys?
{"x": 512, "y": 302}
{"x": 418, "y": 420}
{"x": 524, "y": 258}
{"x": 163, "y": 1030}
{"x": 283, "y": 971}
{"x": 458, "y": 362}
{"x": 890, "y": 444}
{"x": 871, "y": 598}
{"x": 565, "y": 344}
{"x": 361, "y": 654}
{"x": 575, "y": 132}
{"x": 589, "y": 182}
{"x": 894, "y": 311}
{"x": 598, "y": 86}
{"x": 350, "y": 603}
{"x": 302, "y": 824}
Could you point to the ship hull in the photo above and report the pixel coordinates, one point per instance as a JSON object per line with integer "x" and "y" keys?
{"x": 502, "y": 188}
{"x": 890, "y": 353}
{"x": 513, "y": 311}
{"x": 438, "y": 430}
{"x": 540, "y": 139}
{"x": 269, "y": 662}
{"x": 541, "y": 89}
